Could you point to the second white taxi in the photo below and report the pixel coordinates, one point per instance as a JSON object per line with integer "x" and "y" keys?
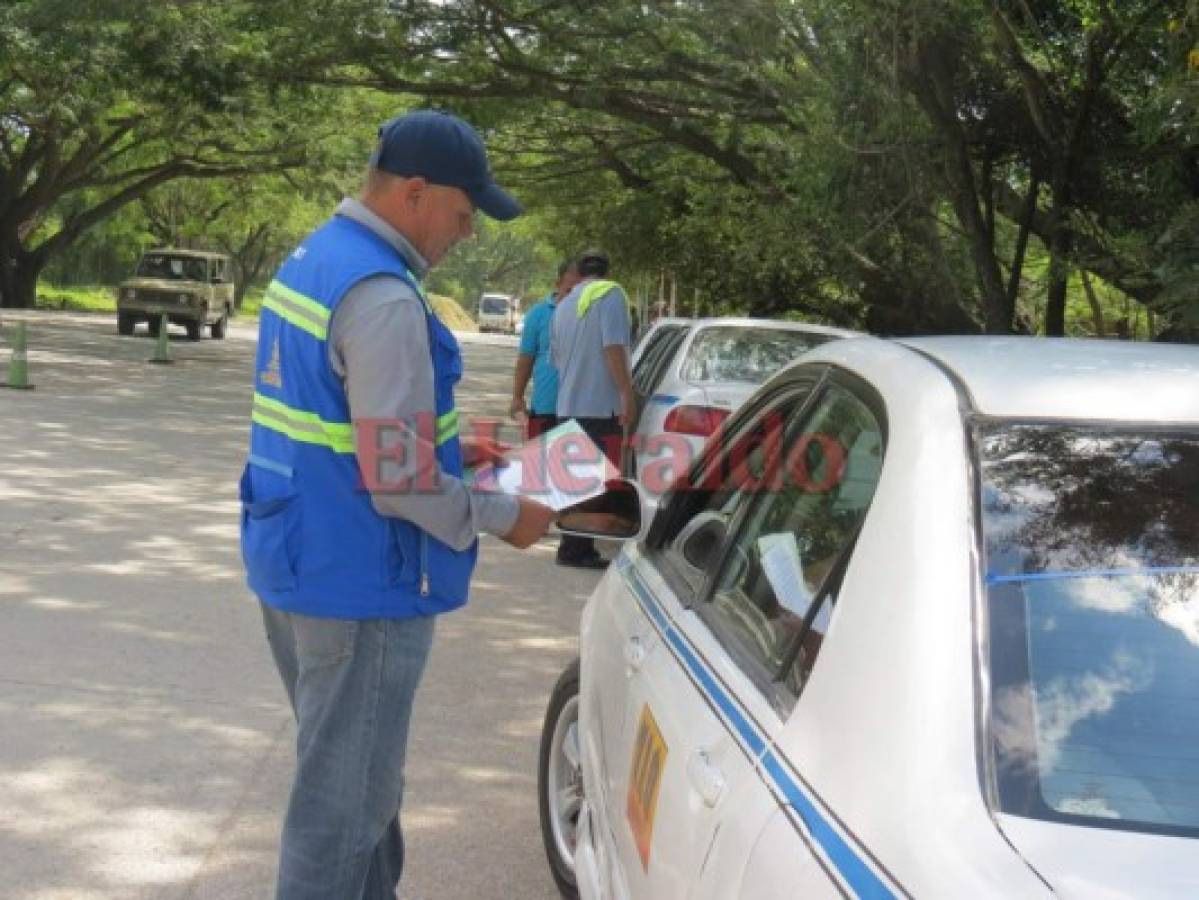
{"x": 924, "y": 623}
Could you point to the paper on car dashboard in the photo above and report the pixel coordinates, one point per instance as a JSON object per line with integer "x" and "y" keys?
{"x": 780, "y": 560}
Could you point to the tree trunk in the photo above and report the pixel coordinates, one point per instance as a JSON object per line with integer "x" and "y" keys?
{"x": 930, "y": 82}
{"x": 1059, "y": 264}
{"x": 1055, "y": 298}
{"x": 19, "y": 271}
{"x": 1021, "y": 249}
{"x": 1093, "y": 300}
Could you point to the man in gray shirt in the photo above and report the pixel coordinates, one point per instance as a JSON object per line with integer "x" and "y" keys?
{"x": 589, "y": 346}
{"x": 354, "y": 549}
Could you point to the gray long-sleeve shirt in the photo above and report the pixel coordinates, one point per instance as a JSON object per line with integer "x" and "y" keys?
{"x": 379, "y": 347}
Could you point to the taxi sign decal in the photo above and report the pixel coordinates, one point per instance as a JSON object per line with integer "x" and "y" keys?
{"x": 645, "y": 778}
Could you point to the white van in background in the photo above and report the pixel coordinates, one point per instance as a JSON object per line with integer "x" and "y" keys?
{"x": 499, "y": 312}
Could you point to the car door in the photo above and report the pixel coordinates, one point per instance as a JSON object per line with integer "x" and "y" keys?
{"x": 651, "y": 364}
{"x": 209, "y": 291}
{"x": 673, "y": 764}
{"x": 772, "y": 607}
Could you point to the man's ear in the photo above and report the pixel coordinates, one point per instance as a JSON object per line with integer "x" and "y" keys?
{"x": 414, "y": 190}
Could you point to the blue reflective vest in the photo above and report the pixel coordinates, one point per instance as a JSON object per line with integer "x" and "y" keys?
{"x": 311, "y": 540}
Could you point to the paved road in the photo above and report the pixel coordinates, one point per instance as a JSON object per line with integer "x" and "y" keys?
{"x": 145, "y": 744}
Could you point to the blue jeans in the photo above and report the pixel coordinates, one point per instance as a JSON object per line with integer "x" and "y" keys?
{"x": 351, "y": 686}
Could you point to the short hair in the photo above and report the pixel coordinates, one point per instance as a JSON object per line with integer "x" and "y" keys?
{"x": 593, "y": 264}
{"x": 377, "y": 181}
{"x": 565, "y": 266}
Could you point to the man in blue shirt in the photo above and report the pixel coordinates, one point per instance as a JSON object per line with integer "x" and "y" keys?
{"x": 534, "y": 359}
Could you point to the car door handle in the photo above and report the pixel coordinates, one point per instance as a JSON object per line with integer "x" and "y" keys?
{"x": 635, "y": 652}
{"x": 705, "y": 776}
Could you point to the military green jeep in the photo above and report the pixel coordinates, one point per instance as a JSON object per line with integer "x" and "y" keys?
{"x": 193, "y": 288}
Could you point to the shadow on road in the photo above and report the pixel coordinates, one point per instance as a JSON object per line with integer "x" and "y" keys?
{"x": 147, "y": 746}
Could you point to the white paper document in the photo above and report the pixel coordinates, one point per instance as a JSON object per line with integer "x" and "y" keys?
{"x": 559, "y": 468}
{"x": 780, "y": 560}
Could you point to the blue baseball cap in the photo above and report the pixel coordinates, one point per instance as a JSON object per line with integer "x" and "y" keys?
{"x": 443, "y": 150}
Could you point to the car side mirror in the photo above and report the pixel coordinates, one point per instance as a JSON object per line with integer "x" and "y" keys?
{"x": 700, "y": 540}
{"x": 620, "y": 513}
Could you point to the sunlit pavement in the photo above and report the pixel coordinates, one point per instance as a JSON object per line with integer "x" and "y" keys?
{"x": 146, "y": 745}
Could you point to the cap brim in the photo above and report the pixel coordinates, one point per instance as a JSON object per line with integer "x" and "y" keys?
{"x": 496, "y": 202}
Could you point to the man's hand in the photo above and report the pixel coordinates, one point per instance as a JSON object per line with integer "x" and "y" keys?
{"x": 516, "y": 409}
{"x": 532, "y": 523}
{"x": 478, "y": 450}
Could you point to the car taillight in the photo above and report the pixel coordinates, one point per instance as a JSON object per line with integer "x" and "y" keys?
{"x": 698, "y": 420}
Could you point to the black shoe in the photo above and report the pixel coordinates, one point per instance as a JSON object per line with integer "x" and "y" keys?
{"x": 583, "y": 562}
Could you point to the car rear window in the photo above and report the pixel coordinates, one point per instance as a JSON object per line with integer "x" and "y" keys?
{"x": 1092, "y": 580}
{"x": 495, "y": 305}
{"x": 744, "y": 354}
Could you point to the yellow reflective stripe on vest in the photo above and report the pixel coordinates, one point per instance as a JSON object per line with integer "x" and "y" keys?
{"x": 295, "y": 308}
{"x": 592, "y": 292}
{"x": 447, "y": 426}
{"x": 424, "y": 298}
{"x": 302, "y": 426}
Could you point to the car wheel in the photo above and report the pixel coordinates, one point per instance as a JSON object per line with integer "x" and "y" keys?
{"x": 220, "y": 326}
{"x": 126, "y": 323}
{"x": 560, "y": 780}
{"x": 195, "y": 329}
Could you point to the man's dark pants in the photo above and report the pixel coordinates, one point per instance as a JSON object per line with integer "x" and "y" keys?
{"x": 539, "y": 424}
{"x": 607, "y": 434}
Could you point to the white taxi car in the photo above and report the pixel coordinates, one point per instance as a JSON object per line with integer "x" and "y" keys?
{"x": 690, "y": 375}
{"x": 926, "y": 623}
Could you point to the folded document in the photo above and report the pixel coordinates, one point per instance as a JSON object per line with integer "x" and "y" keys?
{"x": 559, "y": 468}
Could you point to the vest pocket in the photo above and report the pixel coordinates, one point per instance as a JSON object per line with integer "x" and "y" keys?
{"x": 270, "y": 537}
{"x": 396, "y": 555}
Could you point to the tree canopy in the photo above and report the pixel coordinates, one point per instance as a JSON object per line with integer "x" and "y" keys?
{"x": 959, "y": 165}
{"x": 101, "y": 101}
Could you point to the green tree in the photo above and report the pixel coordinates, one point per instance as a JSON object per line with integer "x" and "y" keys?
{"x": 507, "y": 258}
{"x": 101, "y": 101}
{"x": 256, "y": 221}
{"x": 896, "y": 157}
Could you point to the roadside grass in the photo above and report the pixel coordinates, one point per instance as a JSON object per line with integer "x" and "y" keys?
{"x": 450, "y": 312}
{"x": 102, "y": 298}
{"x": 77, "y": 298}
{"x": 251, "y": 304}
{"x": 447, "y": 308}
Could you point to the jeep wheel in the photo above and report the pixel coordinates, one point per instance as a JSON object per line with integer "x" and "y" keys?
{"x": 126, "y": 323}
{"x": 195, "y": 329}
{"x": 220, "y": 326}
{"x": 560, "y": 780}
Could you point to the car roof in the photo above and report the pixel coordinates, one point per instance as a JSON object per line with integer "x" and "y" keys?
{"x": 742, "y": 322}
{"x": 1071, "y": 378}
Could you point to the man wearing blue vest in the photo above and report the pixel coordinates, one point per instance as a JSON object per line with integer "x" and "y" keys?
{"x": 357, "y": 528}
{"x": 533, "y": 358}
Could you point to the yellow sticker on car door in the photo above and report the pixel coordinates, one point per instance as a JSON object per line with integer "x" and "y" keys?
{"x": 645, "y": 777}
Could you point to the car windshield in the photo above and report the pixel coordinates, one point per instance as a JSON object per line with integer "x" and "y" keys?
{"x": 495, "y": 306}
{"x": 748, "y": 355}
{"x": 176, "y": 268}
{"x": 1093, "y": 598}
